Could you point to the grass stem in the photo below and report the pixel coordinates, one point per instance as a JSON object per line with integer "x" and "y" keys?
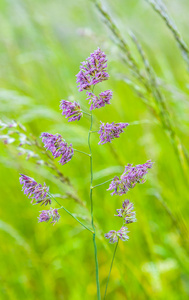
{"x": 92, "y": 218}
{"x": 110, "y": 269}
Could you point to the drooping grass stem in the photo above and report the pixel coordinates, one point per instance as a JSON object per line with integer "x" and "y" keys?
{"x": 62, "y": 207}
{"x": 82, "y": 152}
{"x": 92, "y": 218}
{"x": 86, "y": 113}
{"x": 102, "y": 183}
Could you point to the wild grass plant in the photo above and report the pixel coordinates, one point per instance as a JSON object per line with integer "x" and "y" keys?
{"x": 41, "y": 47}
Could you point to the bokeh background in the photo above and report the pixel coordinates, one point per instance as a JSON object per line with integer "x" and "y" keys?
{"x": 41, "y": 46}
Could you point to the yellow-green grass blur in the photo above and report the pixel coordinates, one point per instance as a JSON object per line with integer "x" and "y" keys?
{"x": 41, "y": 46}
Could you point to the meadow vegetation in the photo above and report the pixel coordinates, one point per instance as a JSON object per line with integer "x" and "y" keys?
{"x": 41, "y": 46}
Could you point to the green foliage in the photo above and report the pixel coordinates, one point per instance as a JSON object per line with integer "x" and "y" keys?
{"x": 42, "y": 44}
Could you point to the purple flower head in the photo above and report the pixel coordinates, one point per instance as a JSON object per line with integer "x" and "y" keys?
{"x": 110, "y": 131}
{"x": 113, "y": 235}
{"x": 46, "y": 215}
{"x": 57, "y": 146}
{"x": 92, "y": 71}
{"x": 34, "y": 190}
{"x": 71, "y": 110}
{"x": 130, "y": 177}
{"x": 122, "y": 233}
{"x": 126, "y": 212}
{"x": 97, "y": 102}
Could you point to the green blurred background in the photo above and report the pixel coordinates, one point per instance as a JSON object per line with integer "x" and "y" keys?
{"x": 41, "y": 46}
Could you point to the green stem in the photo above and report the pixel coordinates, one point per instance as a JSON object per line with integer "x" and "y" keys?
{"x": 84, "y": 112}
{"x": 71, "y": 214}
{"x": 94, "y": 131}
{"x": 82, "y": 152}
{"x": 92, "y": 218}
{"x": 110, "y": 269}
{"x": 102, "y": 183}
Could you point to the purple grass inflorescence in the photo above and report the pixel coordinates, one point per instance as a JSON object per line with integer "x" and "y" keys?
{"x": 101, "y": 100}
{"x": 113, "y": 235}
{"x": 110, "y": 131}
{"x": 92, "y": 71}
{"x": 58, "y": 147}
{"x": 34, "y": 190}
{"x": 130, "y": 177}
{"x": 71, "y": 110}
{"x": 46, "y": 215}
{"x": 126, "y": 212}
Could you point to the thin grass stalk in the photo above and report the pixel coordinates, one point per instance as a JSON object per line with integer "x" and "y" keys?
{"x": 110, "y": 269}
{"x": 92, "y": 217}
{"x": 161, "y": 10}
{"x": 62, "y": 207}
{"x": 151, "y": 87}
{"x": 121, "y": 42}
{"x": 163, "y": 111}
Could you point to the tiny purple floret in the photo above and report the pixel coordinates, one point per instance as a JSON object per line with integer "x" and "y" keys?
{"x": 101, "y": 100}
{"x": 34, "y": 190}
{"x": 92, "y": 71}
{"x": 71, "y": 110}
{"x": 126, "y": 212}
{"x": 110, "y": 131}
{"x": 46, "y": 215}
{"x": 113, "y": 235}
{"x": 57, "y": 146}
{"x": 130, "y": 177}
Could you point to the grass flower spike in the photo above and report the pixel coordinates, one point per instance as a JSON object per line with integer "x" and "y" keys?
{"x": 58, "y": 147}
{"x": 129, "y": 178}
{"x": 70, "y": 110}
{"x": 92, "y": 71}
{"x": 34, "y": 190}
{"x": 100, "y": 101}
{"x": 113, "y": 235}
{"x": 126, "y": 212}
{"x": 108, "y": 132}
{"x": 46, "y": 215}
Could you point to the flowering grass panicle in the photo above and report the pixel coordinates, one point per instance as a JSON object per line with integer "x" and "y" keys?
{"x": 71, "y": 110}
{"x": 130, "y": 177}
{"x": 58, "y": 147}
{"x": 113, "y": 235}
{"x": 92, "y": 71}
{"x": 118, "y": 186}
{"x": 34, "y": 190}
{"x": 109, "y": 131}
{"x": 126, "y": 212}
{"x": 100, "y": 101}
{"x": 46, "y": 215}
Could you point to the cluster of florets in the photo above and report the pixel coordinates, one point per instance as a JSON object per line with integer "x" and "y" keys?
{"x": 92, "y": 71}
{"x": 41, "y": 194}
{"x": 128, "y": 216}
{"x": 108, "y": 132}
{"x": 100, "y": 101}
{"x": 126, "y": 212}
{"x": 57, "y": 146}
{"x": 120, "y": 186}
{"x": 113, "y": 235}
{"x": 71, "y": 110}
{"x": 130, "y": 177}
{"x": 34, "y": 190}
{"x": 46, "y": 215}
